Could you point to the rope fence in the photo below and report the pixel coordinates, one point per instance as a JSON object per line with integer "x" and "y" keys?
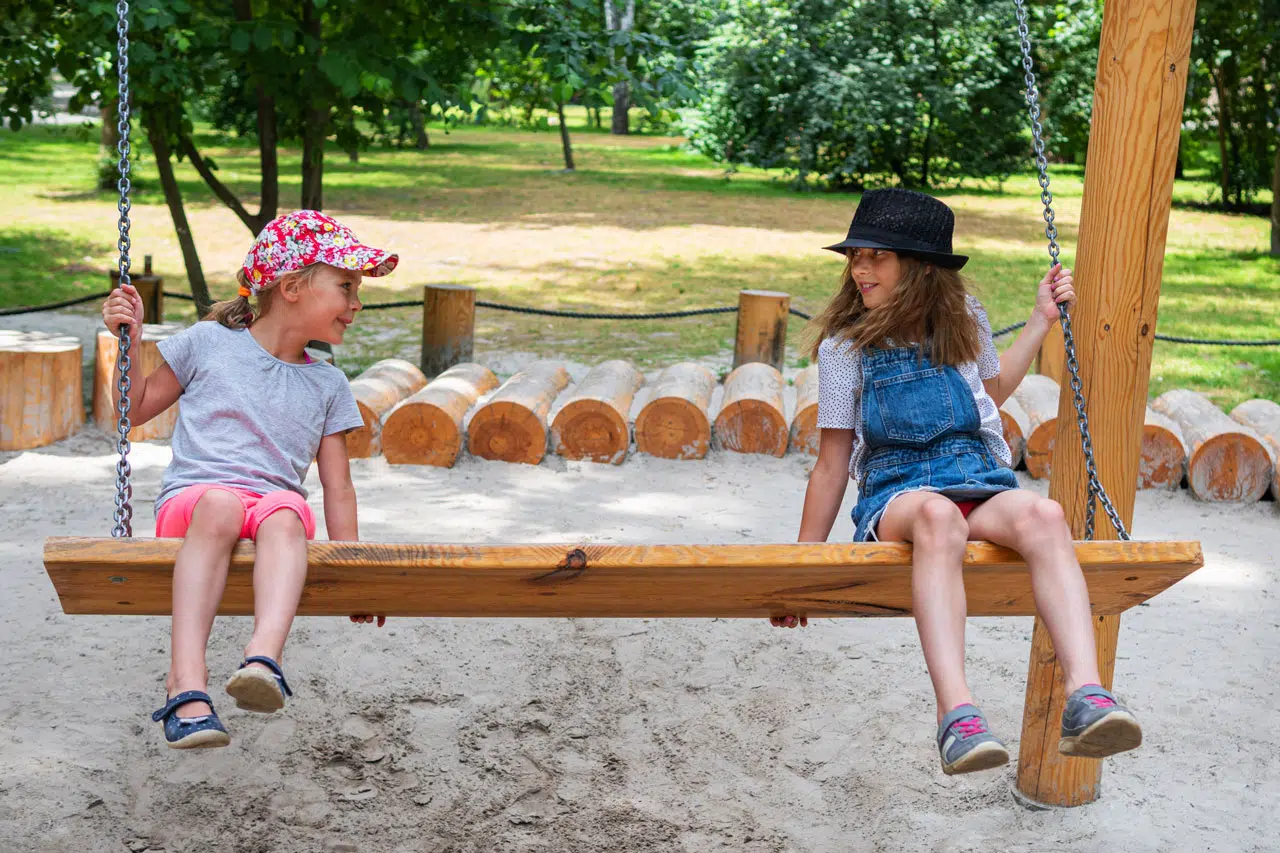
{"x": 604, "y": 315}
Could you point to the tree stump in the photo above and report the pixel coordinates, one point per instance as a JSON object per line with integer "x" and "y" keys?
{"x": 1263, "y": 417}
{"x": 1228, "y": 461}
{"x": 426, "y": 428}
{"x": 1016, "y": 426}
{"x": 377, "y": 391}
{"x": 752, "y": 417}
{"x": 1164, "y": 453}
{"x": 448, "y": 326}
{"x": 805, "y": 434}
{"x": 593, "y": 424}
{"x": 146, "y": 359}
{"x": 673, "y": 423}
{"x": 1038, "y": 396}
{"x": 762, "y": 327}
{"x": 40, "y": 397}
{"x": 512, "y": 426}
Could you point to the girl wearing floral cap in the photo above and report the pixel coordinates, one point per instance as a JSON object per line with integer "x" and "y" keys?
{"x": 255, "y": 412}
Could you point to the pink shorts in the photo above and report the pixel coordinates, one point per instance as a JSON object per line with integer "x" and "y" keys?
{"x": 174, "y": 516}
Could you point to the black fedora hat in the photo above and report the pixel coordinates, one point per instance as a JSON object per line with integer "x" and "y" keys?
{"x": 906, "y": 222}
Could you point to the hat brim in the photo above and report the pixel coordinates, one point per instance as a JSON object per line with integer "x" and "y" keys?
{"x": 951, "y": 262}
{"x": 379, "y": 261}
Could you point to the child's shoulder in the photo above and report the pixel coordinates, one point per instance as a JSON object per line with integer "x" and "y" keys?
{"x": 974, "y": 304}
{"x": 330, "y": 375}
{"x": 840, "y": 349}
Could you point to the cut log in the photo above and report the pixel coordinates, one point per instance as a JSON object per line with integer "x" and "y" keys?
{"x": 1016, "y": 426}
{"x": 673, "y": 423}
{"x": 448, "y": 326}
{"x": 1038, "y": 396}
{"x": 40, "y": 397}
{"x": 377, "y": 391}
{"x": 426, "y": 428}
{"x": 146, "y": 358}
{"x": 1263, "y": 417}
{"x": 1164, "y": 453}
{"x": 752, "y": 418}
{"x": 804, "y": 426}
{"x": 762, "y": 327}
{"x": 593, "y": 424}
{"x": 1227, "y": 460}
{"x": 512, "y": 425}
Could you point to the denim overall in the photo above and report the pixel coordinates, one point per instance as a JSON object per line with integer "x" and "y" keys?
{"x": 920, "y": 426}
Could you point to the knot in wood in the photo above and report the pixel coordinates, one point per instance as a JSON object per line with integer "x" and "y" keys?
{"x": 575, "y": 559}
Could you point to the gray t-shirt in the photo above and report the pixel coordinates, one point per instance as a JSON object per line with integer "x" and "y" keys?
{"x": 246, "y": 419}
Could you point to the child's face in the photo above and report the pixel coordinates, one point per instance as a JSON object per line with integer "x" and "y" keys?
{"x": 331, "y": 303}
{"x": 876, "y": 273}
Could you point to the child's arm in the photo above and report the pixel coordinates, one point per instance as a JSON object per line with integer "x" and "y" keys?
{"x": 827, "y": 485}
{"x": 340, "y": 516}
{"x": 154, "y": 393}
{"x": 1056, "y": 287}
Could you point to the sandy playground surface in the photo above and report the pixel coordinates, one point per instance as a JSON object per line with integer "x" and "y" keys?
{"x": 609, "y": 735}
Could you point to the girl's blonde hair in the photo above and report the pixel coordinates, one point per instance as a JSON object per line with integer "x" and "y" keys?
{"x": 928, "y": 304}
{"x": 238, "y": 313}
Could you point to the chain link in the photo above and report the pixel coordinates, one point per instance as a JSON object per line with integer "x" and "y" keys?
{"x": 1095, "y": 492}
{"x": 123, "y": 526}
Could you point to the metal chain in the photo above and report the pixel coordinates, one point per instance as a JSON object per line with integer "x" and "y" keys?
{"x": 124, "y": 487}
{"x": 1095, "y": 492}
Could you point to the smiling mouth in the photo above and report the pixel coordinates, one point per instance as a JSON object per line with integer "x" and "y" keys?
{"x": 865, "y": 286}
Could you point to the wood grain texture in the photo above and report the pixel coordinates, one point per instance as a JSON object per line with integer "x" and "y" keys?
{"x": 1039, "y": 397}
{"x": 377, "y": 391}
{"x": 1227, "y": 461}
{"x": 752, "y": 418}
{"x": 762, "y": 328}
{"x": 1016, "y": 426}
{"x": 1164, "y": 453}
{"x": 448, "y": 326}
{"x": 1051, "y": 362}
{"x": 1143, "y": 57}
{"x": 512, "y": 425}
{"x": 146, "y": 360}
{"x": 40, "y": 389}
{"x": 805, "y": 435}
{"x": 426, "y": 428}
{"x": 674, "y": 423}
{"x": 1263, "y": 417}
{"x": 594, "y": 424}
{"x": 133, "y": 576}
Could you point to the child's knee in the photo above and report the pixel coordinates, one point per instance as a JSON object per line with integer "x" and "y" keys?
{"x": 282, "y": 514}
{"x": 1042, "y": 519}
{"x": 940, "y": 524}
{"x": 217, "y": 514}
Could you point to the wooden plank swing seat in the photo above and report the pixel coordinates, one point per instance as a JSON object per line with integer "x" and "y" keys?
{"x": 134, "y": 577}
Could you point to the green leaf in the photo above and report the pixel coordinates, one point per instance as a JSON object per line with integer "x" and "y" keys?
{"x": 240, "y": 41}
{"x": 262, "y": 38}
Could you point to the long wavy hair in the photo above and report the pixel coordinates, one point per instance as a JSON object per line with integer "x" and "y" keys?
{"x": 926, "y": 307}
{"x": 239, "y": 313}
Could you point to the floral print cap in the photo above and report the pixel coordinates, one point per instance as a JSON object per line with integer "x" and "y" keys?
{"x": 305, "y": 237}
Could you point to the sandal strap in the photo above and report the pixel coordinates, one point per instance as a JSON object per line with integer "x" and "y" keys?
{"x": 275, "y": 670}
{"x": 178, "y": 701}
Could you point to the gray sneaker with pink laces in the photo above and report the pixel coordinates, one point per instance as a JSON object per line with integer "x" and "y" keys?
{"x": 1095, "y": 725}
{"x": 966, "y": 744}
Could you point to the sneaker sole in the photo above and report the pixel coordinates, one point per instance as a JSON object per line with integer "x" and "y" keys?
{"x": 983, "y": 757}
{"x": 255, "y": 690}
{"x": 1114, "y": 733}
{"x": 207, "y": 739}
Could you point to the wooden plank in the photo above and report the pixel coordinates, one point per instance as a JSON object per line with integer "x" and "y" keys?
{"x": 1137, "y": 111}
{"x": 133, "y": 576}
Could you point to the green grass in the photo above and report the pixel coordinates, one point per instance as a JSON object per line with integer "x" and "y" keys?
{"x": 642, "y": 225}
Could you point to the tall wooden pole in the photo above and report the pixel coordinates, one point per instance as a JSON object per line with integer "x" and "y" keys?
{"x": 1124, "y": 219}
{"x": 448, "y": 326}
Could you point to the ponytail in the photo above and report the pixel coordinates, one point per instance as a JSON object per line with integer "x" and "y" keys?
{"x": 234, "y": 313}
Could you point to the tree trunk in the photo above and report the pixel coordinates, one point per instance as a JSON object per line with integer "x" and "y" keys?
{"x": 1224, "y": 132}
{"x": 421, "y": 141}
{"x": 1275, "y": 212}
{"x": 564, "y": 138}
{"x": 620, "y": 20}
{"x": 928, "y": 150}
{"x": 110, "y": 126}
{"x": 173, "y": 197}
{"x": 315, "y": 127}
{"x": 621, "y": 105}
{"x": 269, "y": 194}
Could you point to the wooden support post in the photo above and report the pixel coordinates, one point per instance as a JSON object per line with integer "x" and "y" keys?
{"x": 1124, "y": 219}
{"x": 762, "y": 327}
{"x": 150, "y": 288}
{"x": 448, "y": 326}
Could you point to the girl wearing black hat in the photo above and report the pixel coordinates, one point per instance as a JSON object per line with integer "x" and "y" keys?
{"x": 910, "y": 384}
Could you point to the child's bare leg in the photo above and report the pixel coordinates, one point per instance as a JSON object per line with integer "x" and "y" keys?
{"x": 1036, "y": 528}
{"x": 938, "y": 532}
{"x": 279, "y": 574}
{"x": 199, "y": 577}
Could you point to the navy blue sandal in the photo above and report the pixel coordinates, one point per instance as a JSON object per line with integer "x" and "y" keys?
{"x": 191, "y": 732}
{"x": 257, "y": 689}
